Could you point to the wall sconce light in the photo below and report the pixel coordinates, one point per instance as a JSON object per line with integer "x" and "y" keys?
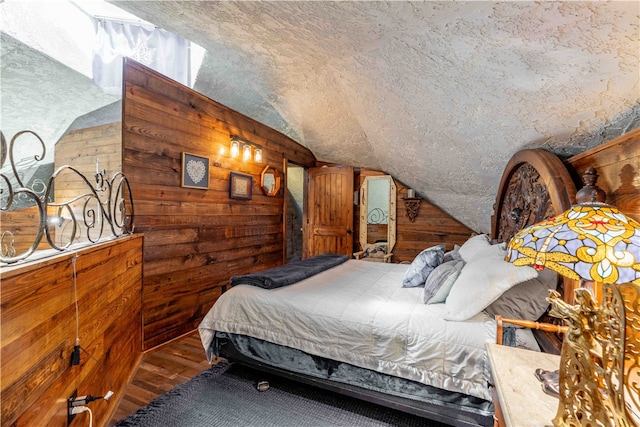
{"x": 246, "y": 153}
{"x": 247, "y": 149}
{"x": 235, "y": 148}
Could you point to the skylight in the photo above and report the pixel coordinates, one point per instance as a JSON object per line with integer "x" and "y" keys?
{"x": 47, "y": 68}
{"x": 66, "y": 30}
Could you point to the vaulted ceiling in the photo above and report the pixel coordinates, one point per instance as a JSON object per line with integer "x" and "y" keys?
{"x": 438, "y": 94}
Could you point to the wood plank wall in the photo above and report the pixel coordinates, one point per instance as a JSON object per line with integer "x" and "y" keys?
{"x": 195, "y": 239}
{"x": 431, "y": 227}
{"x": 24, "y": 225}
{"x": 39, "y": 331}
{"x": 101, "y": 148}
{"x": 618, "y": 165}
{"x": 102, "y": 143}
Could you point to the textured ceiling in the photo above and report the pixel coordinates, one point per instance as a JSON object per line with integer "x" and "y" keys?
{"x": 438, "y": 94}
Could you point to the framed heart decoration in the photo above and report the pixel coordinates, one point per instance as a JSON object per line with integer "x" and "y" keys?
{"x": 195, "y": 171}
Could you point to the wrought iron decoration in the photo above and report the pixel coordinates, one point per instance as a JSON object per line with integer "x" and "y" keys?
{"x": 107, "y": 203}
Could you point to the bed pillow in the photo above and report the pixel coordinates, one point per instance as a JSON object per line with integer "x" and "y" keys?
{"x": 422, "y": 265}
{"x": 527, "y": 300}
{"x": 452, "y": 255}
{"x": 481, "y": 282}
{"x": 439, "y": 282}
{"x": 474, "y": 246}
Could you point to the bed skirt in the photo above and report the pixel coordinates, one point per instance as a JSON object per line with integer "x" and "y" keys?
{"x": 434, "y": 403}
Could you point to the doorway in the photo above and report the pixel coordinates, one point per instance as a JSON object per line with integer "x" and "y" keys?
{"x": 294, "y": 211}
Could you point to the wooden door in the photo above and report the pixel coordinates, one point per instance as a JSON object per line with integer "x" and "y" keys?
{"x": 329, "y": 225}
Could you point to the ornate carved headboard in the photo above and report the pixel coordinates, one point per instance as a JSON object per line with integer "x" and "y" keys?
{"x": 535, "y": 186}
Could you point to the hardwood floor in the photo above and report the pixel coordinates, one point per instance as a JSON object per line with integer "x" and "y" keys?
{"x": 161, "y": 370}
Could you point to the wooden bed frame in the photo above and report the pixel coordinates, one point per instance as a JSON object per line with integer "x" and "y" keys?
{"x": 535, "y": 185}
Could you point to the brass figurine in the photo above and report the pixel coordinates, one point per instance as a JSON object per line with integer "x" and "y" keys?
{"x": 591, "y": 380}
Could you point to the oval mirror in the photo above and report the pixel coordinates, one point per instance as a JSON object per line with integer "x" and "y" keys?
{"x": 270, "y": 181}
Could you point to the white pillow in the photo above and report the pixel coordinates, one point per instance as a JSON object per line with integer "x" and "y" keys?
{"x": 473, "y": 246}
{"x": 481, "y": 282}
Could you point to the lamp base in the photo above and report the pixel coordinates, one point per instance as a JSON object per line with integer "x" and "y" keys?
{"x": 591, "y": 377}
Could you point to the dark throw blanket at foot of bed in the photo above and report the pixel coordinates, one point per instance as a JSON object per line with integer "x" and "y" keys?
{"x": 225, "y": 395}
{"x": 290, "y": 273}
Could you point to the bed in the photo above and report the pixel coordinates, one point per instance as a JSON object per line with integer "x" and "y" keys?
{"x": 364, "y": 329}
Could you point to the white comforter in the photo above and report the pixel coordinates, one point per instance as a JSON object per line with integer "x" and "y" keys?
{"x": 358, "y": 313}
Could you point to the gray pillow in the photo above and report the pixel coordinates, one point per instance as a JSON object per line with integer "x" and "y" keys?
{"x": 422, "y": 265}
{"x": 440, "y": 281}
{"x": 452, "y": 254}
{"x": 527, "y": 300}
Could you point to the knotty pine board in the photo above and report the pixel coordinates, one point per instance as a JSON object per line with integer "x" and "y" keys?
{"x": 38, "y": 332}
{"x": 195, "y": 239}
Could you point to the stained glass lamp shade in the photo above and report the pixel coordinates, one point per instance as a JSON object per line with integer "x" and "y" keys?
{"x": 600, "y": 360}
{"x": 592, "y": 241}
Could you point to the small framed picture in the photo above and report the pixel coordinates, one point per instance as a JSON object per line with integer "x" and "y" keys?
{"x": 195, "y": 171}
{"x": 240, "y": 186}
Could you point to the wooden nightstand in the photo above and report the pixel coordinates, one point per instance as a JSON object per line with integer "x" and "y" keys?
{"x": 518, "y": 397}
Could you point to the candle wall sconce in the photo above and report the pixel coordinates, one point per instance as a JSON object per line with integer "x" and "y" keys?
{"x": 412, "y": 204}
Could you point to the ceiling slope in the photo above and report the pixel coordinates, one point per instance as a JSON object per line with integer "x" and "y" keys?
{"x": 438, "y": 94}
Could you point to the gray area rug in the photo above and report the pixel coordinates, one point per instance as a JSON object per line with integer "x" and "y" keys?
{"x": 225, "y": 395}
